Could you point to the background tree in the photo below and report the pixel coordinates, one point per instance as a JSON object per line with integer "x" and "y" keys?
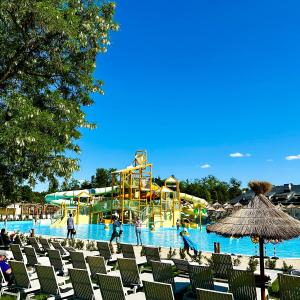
{"x": 102, "y": 178}
{"x": 48, "y": 55}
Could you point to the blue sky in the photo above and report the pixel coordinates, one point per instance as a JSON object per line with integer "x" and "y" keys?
{"x": 195, "y": 81}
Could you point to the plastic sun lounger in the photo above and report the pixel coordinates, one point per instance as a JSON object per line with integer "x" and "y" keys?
{"x": 289, "y": 287}
{"x": 82, "y": 285}
{"x": 56, "y": 261}
{"x": 45, "y": 244}
{"x": 22, "y": 284}
{"x": 222, "y": 263}
{"x": 104, "y": 250}
{"x": 97, "y": 265}
{"x": 158, "y": 290}
{"x": 49, "y": 284}
{"x": 33, "y": 242}
{"x": 111, "y": 288}
{"x": 31, "y": 256}
{"x": 62, "y": 251}
{"x": 213, "y": 295}
{"x": 202, "y": 277}
{"x": 163, "y": 272}
{"x": 130, "y": 274}
{"x": 16, "y": 251}
{"x": 242, "y": 285}
{"x": 78, "y": 260}
{"x": 128, "y": 252}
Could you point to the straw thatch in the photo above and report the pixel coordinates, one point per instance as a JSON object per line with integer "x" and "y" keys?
{"x": 216, "y": 205}
{"x": 238, "y": 204}
{"x": 291, "y": 206}
{"x": 228, "y": 206}
{"x": 259, "y": 218}
{"x": 220, "y": 209}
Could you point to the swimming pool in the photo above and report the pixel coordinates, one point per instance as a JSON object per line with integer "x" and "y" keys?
{"x": 164, "y": 237}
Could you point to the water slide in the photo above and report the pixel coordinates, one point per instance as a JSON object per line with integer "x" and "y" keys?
{"x": 67, "y": 197}
{"x": 195, "y": 201}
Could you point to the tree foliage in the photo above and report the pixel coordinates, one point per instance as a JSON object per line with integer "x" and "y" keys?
{"x": 212, "y": 189}
{"x": 48, "y": 55}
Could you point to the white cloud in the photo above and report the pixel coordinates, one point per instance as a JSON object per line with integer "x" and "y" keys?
{"x": 205, "y": 166}
{"x": 239, "y": 154}
{"x": 292, "y": 157}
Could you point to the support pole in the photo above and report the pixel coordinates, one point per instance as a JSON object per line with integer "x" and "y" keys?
{"x": 262, "y": 267}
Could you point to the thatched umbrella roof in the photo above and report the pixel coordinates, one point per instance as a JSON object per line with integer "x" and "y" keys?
{"x": 238, "y": 204}
{"x": 217, "y": 204}
{"x": 229, "y": 206}
{"x": 221, "y": 209}
{"x": 291, "y": 206}
{"x": 260, "y": 218}
{"x": 210, "y": 208}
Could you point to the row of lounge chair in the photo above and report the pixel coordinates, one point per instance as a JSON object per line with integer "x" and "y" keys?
{"x": 96, "y": 277}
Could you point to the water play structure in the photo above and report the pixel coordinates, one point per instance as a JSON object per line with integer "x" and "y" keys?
{"x": 132, "y": 193}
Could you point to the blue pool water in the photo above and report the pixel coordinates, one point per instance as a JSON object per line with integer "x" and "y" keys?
{"x": 164, "y": 237}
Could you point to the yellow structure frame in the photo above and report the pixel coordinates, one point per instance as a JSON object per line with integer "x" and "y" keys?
{"x": 135, "y": 184}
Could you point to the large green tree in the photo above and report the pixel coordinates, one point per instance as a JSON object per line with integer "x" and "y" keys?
{"x": 48, "y": 52}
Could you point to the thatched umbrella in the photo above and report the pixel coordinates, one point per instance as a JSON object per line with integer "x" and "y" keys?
{"x": 228, "y": 206}
{"x": 217, "y": 205}
{"x": 238, "y": 205}
{"x": 260, "y": 218}
{"x": 291, "y": 206}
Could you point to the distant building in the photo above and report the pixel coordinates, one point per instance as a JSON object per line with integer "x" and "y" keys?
{"x": 284, "y": 194}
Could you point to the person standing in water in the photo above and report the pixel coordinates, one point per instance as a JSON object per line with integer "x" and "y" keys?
{"x": 178, "y": 224}
{"x": 138, "y": 231}
{"x": 188, "y": 243}
{"x": 117, "y": 230}
{"x": 70, "y": 226}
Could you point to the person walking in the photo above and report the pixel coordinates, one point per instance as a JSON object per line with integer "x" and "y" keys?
{"x": 188, "y": 243}
{"x": 138, "y": 231}
{"x": 117, "y": 229}
{"x": 70, "y": 226}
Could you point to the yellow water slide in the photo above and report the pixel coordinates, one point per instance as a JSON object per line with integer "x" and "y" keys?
{"x": 195, "y": 201}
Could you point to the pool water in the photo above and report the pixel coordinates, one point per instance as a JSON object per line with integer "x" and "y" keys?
{"x": 164, "y": 237}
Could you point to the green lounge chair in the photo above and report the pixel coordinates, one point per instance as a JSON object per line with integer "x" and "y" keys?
{"x": 242, "y": 285}
{"x": 33, "y": 242}
{"x": 202, "y": 277}
{"x": 78, "y": 260}
{"x": 82, "y": 285}
{"x": 163, "y": 272}
{"x": 49, "y": 284}
{"x": 56, "y": 261}
{"x": 97, "y": 265}
{"x": 182, "y": 266}
{"x": 128, "y": 252}
{"x": 45, "y": 244}
{"x": 16, "y": 251}
{"x": 222, "y": 263}
{"x": 213, "y": 295}
{"x": 152, "y": 254}
{"x": 18, "y": 241}
{"x": 289, "y": 287}
{"x": 62, "y": 251}
{"x": 112, "y": 289}
{"x": 31, "y": 256}
{"x": 158, "y": 291}
{"x": 104, "y": 250}
{"x": 22, "y": 284}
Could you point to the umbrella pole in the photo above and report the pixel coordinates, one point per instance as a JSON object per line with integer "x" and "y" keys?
{"x": 262, "y": 267}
